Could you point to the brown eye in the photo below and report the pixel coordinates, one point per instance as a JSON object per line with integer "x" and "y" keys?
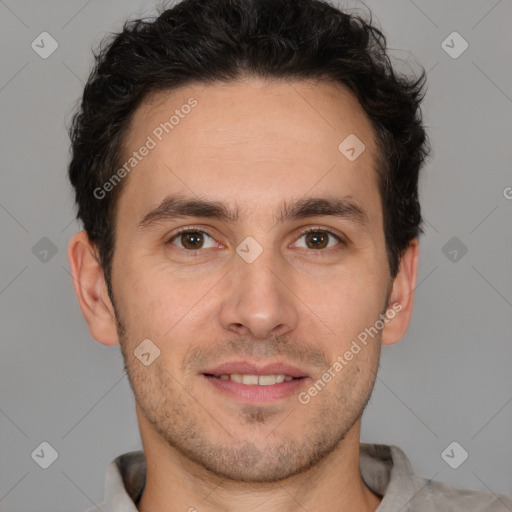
{"x": 191, "y": 240}
{"x": 319, "y": 239}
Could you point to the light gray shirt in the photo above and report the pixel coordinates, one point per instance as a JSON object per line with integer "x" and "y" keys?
{"x": 385, "y": 469}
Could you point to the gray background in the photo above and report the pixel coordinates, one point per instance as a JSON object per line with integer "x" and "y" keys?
{"x": 449, "y": 380}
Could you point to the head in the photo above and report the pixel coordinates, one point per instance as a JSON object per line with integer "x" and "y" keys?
{"x": 239, "y": 119}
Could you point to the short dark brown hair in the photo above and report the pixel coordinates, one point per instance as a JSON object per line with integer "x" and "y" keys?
{"x": 208, "y": 41}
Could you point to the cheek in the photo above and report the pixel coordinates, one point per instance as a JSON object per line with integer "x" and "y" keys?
{"x": 349, "y": 304}
{"x": 160, "y": 306}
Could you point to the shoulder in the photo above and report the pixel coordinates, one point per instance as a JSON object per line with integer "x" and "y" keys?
{"x": 124, "y": 481}
{"x": 449, "y": 498}
{"x": 389, "y": 473}
{"x": 433, "y": 495}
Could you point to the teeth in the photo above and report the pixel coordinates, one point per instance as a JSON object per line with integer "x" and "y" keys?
{"x": 266, "y": 380}
{"x": 250, "y": 379}
{"x": 255, "y": 380}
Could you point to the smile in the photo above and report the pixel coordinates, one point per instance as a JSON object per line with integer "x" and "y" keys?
{"x": 254, "y": 380}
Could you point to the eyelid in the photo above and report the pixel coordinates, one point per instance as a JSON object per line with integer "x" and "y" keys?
{"x": 342, "y": 238}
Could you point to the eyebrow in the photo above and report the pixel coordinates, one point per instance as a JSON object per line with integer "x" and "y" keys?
{"x": 176, "y": 207}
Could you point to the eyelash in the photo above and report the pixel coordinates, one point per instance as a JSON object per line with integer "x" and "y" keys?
{"x": 192, "y": 229}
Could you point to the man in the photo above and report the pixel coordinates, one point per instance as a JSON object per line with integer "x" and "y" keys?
{"x": 246, "y": 172}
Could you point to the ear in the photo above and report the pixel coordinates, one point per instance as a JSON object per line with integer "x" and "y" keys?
{"x": 402, "y": 296}
{"x": 91, "y": 289}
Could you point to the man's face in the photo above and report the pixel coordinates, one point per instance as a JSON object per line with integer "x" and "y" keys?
{"x": 213, "y": 310}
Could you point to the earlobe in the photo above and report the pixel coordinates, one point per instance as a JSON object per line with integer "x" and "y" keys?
{"x": 401, "y": 299}
{"x": 91, "y": 289}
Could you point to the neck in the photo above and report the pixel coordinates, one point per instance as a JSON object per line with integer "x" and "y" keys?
{"x": 175, "y": 483}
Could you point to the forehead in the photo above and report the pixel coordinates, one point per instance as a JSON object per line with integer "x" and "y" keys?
{"x": 251, "y": 142}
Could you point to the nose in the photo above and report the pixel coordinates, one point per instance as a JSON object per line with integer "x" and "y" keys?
{"x": 260, "y": 302}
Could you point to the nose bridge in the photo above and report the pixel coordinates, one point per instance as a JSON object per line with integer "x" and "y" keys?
{"x": 257, "y": 279}
{"x": 259, "y": 301}
{"x": 259, "y": 276}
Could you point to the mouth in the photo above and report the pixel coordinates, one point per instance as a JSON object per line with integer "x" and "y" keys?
{"x": 254, "y": 380}
{"x": 251, "y": 384}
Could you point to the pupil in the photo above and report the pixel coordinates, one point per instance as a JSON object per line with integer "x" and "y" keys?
{"x": 315, "y": 237}
{"x": 196, "y": 238}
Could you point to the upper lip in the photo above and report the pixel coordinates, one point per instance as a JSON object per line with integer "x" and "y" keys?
{"x": 248, "y": 368}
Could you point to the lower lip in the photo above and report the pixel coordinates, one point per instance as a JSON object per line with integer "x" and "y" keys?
{"x": 250, "y": 394}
